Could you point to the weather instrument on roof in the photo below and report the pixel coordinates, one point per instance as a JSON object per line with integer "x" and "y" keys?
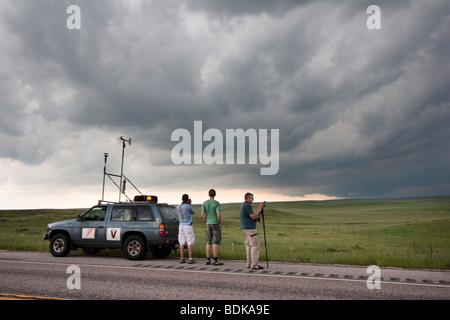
{"x": 122, "y": 178}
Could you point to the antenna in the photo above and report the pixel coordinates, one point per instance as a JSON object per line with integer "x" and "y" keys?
{"x": 122, "y": 184}
{"x": 104, "y": 174}
{"x": 123, "y": 179}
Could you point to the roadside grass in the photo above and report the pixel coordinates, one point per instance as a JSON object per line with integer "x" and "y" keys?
{"x": 408, "y": 233}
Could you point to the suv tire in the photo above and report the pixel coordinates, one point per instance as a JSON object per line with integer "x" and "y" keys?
{"x": 135, "y": 247}
{"x": 60, "y": 245}
{"x": 160, "y": 252}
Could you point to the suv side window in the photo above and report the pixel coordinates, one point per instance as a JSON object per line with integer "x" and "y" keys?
{"x": 121, "y": 213}
{"x": 167, "y": 212}
{"x": 144, "y": 213}
{"x": 95, "y": 214}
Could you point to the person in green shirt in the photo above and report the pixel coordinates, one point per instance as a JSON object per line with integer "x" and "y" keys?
{"x": 211, "y": 215}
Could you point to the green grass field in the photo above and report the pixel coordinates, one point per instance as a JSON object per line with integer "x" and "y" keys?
{"x": 408, "y": 233}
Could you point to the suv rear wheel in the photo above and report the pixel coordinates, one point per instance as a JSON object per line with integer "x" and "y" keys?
{"x": 158, "y": 252}
{"x": 134, "y": 247}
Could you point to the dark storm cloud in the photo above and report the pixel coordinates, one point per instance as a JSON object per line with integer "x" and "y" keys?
{"x": 240, "y": 8}
{"x": 360, "y": 112}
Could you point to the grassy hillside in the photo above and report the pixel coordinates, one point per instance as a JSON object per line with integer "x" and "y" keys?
{"x": 411, "y": 232}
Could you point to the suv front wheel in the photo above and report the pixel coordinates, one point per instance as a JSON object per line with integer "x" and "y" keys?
{"x": 60, "y": 245}
{"x": 134, "y": 247}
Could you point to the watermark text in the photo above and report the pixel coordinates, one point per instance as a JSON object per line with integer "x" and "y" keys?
{"x": 74, "y": 281}
{"x": 374, "y": 280}
{"x": 233, "y": 149}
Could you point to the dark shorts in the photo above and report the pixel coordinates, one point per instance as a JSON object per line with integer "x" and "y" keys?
{"x": 213, "y": 231}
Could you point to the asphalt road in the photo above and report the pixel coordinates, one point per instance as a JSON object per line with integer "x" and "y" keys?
{"x": 32, "y": 275}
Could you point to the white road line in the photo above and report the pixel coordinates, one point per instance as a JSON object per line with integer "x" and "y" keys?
{"x": 218, "y": 271}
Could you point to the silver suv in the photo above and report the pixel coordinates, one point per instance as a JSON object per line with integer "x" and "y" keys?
{"x": 137, "y": 227}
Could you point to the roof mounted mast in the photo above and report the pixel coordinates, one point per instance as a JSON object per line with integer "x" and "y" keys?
{"x": 123, "y": 179}
{"x": 121, "y": 167}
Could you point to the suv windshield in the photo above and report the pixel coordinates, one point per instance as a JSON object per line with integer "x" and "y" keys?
{"x": 95, "y": 214}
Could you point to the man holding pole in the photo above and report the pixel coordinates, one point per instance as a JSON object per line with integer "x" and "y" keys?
{"x": 248, "y": 227}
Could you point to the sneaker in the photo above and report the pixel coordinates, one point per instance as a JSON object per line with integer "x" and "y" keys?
{"x": 182, "y": 261}
{"x": 208, "y": 262}
{"x": 258, "y": 267}
{"x": 191, "y": 261}
{"x": 217, "y": 263}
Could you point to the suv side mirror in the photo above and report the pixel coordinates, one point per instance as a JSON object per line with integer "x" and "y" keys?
{"x": 79, "y": 218}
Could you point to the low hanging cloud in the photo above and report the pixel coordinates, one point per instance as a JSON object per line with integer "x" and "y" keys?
{"x": 360, "y": 113}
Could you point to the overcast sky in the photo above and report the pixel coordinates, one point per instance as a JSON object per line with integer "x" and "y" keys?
{"x": 360, "y": 112}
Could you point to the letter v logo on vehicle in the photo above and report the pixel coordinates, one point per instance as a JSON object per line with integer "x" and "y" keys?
{"x": 113, "y": 234}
